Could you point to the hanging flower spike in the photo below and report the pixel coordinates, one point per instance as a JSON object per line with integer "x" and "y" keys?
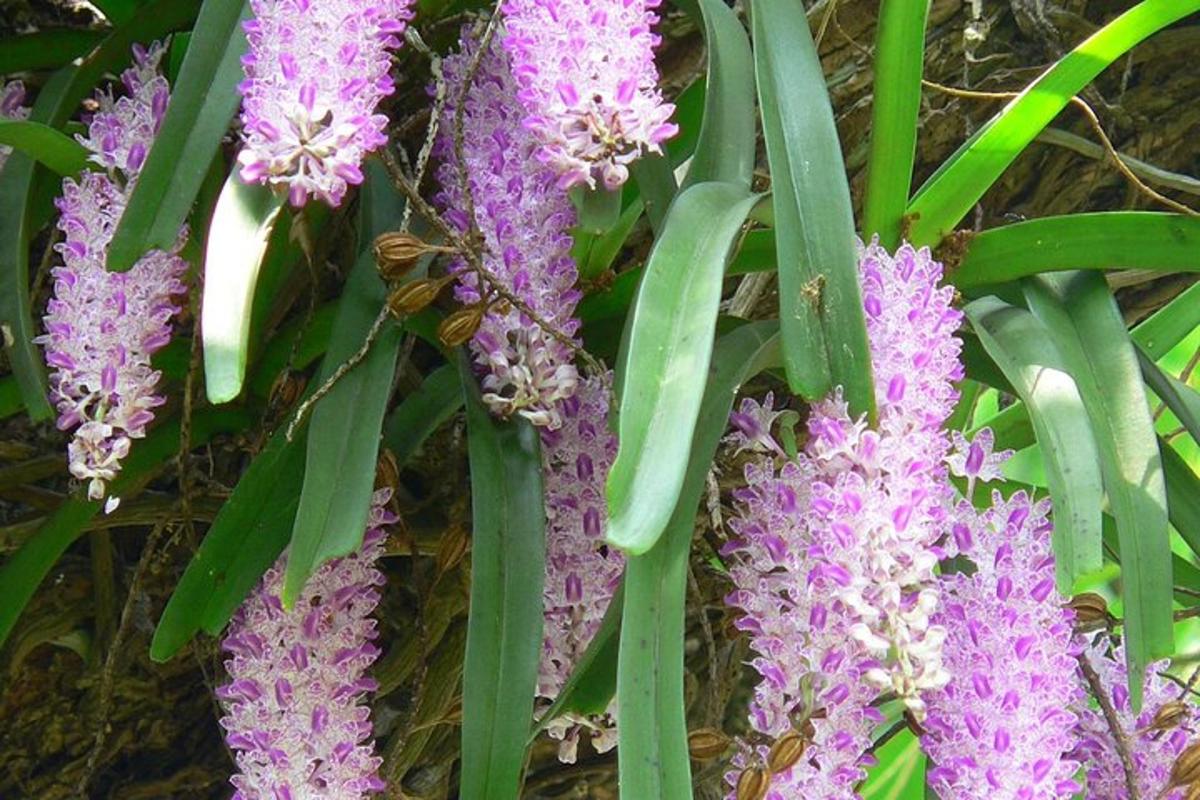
{"x": 1003, "y": 727}
{"x": 524, "y": 219}
{"x": 589, "y": 83}
{"x": 315, "y": 74}
{"x": 834, "y": 558}
{"x": 1153, "y": 747}
{"x": 12, "y": 106}
{"x": 103, "y": 327}
{"x": 293, "y": 715}
{"x": 582, "y": 573}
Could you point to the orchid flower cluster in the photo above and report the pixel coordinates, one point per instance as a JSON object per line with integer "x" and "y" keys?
{"x": 103, "y": 327}
{"x": 12, "y": 106}
{"x": 293, "y": 711}
{"x": 524, "y": 217}
{"x": 315, "y": 75}
{"x": 582, "y": 574}
{"x": 588, "y": 81}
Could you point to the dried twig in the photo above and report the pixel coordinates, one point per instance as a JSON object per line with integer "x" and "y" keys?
{"x": 1114, "y": 725}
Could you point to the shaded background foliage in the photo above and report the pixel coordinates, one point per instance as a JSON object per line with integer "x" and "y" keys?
{"x": 156, "y": 735}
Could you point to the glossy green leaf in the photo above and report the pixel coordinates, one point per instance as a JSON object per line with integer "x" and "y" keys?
{"x": 248, "y": 534}
{"x": 45, "y": 49}
{"x": 820, "y": 306}
{"x": 669, "y": 346}
{"x": 605, "y": 248}
{"x": 237, "y": 241}
{"x": 899, "y": 58}
{"x": 1183, "y": 400}
{"x": 1168, "y": 326}
{"x": 423, "y": 412}
{"x": 22, "y": 573}
{"x": 1086, "y": 325}
{"x": 203, "y": 101}
{"x": 1102, "y": 240}
{"x": 593, "y": 680}
{"x": 599, "y": 209}
{"x": 343, "y": 432}
{"x": 117, "y": 11}
{"x": 1023, "y": 349}
{"x": 504, "y": 628}
{"x": 954, "y": 189}
{"x": 26, "y": 192}
{"x": 656, "y": 182}
{"x": 652, "y": 752}
{"x": 725, "y": 149}
{"x": 1183, "y": 496}
{"x": 44, "y": 144}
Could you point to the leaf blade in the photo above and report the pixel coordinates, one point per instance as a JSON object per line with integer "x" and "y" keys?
{"x": 44, "y": 144}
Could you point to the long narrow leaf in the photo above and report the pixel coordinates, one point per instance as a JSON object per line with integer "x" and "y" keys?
{"x": 1022, "y": 348}
{"x": 1131, "y": 239}
{"x": 1183, "y": 496}
{"x": 27, "y": 568}
{"x": 669, "y": 346}
{"x": 652, "y": 752}
{"x": 44, "y": 144}
{"x": 1086, "y": 324}
{"x": 434, "y": 401}
{"x": 1183, "y": 400}
{"x": 504, "y": 633}
{"x": 820, "y": 307}
{"x": 237, "y": 241}
{"x": 343, "y": 438}
{"x": 899, "y": 58}
{"x": 45, "y": 49}
{"x": 955, "y": 187}
{"x": 203, "y": 101}
{"x": 725, "y": 149}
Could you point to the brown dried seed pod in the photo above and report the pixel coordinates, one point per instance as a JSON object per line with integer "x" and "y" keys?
{"x": 705, "y": 744}
{"x": 415, "y": 295}
{"x": 453, "y": 546}
{"x": 396, "y": 253}
{"x": 786, "y": 751}
{"x": 460, "y": 326}
{"x": 1169, "y": 715}
{"x": 387, "y": 471}
{"x": 1186, "y": 768}
{"x": 1089, "y": 608}
{"x": 753, "y": 784}
{"x": 286, "y": 390}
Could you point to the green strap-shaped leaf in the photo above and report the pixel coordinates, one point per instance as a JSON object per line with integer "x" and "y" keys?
{"x": 504, "y": 628}
{"x": 26, "y": 192}
{"x": 955, "y": 188}
{"x": 27, "y": 568}
{"x": 899, "y": 58}
{"x": 45, "y": 49}
{"x": 117, "y": 11}
{"x": 656, "y": 182}
{"x": 1183, "y": 497}
{"x": 820, "y": 305}
{"x": 725, "y": 149}
{"x": 1023, "y": 349}
{"x": 249, "y": 533}
{"x": 668, "y": 347}
{"x": 1130, "y": 239}
{"x": 343, "y": 433}
{"x": 203, "y": 101}
{"x": 1168, "y": 326}
{"x": 422, "y": 412}
{"x": 652, "y": 752}
{"x": 44, "y": 144}
{"x": 1086, "y": 325}
{"x": 1183, "y": 400}
{"x": 237, "y": 242}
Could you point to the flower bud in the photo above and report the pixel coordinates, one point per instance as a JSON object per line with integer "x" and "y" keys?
{"x": 753, "y": 784}
{"x": 415, "y": 295}
{"x": 786, "y": 751}
{"x": 396, "y": 253}
{"x": 706, "y": 744}
{"x": 460, "y": 326}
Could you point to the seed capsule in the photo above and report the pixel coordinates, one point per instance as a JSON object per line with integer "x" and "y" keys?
{"x": 1169, "y": 715}
{"x": 1186, "y": 768}
{"x": 387, "y": 471}
{"x": 706, "y": 744}
{"x": 753, "y": 784}
{"x": 415, "y": 295}
{"x": 1193, "y": 792}
{"x": 1090, "y": 609}
{"x": 460, "y": 326}
{"x": 786, "y": 751}
{"x": 452, "y": 547}
{"x": 396, "y": 253}
{"x": 287, "y": 389}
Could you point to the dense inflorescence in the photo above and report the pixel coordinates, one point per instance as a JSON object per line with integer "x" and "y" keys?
{"x": 103, "y": 327}
{"x": 1152, "y": 747}
{"x": 835, "y": 551}
{"x": 589, "y": 83}
{"x": 293, "y": 713}
{"x": 582, "y": 573}
{"x": 315, "y": 74}
{"x": 1004, "y": 725}
{"x": 12, "y": 106}
{"x": 524, "y": 219}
